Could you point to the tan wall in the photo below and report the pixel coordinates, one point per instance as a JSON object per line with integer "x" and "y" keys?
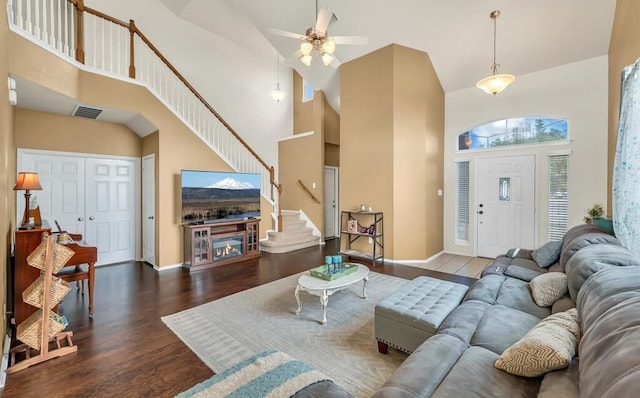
{"x": 303, "y": 159}
{"x": 331, "y": 125}
{"x": 48, "y": 131}
{"x": 366, "y": 137}
{"x": 177, "y": 147}
{"x": 418, "y": 167}
{"x": 7, "y": 169}
{"x": 302, "y": 111}
{"x": 331, "y": 155}
{"x": 624, "y": 49}
{"x": 391, "y": 147}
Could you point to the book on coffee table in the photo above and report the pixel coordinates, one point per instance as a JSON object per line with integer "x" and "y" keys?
{"x": 333, "y": 271}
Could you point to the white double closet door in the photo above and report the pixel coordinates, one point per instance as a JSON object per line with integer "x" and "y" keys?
{"x": 93, "y": 195}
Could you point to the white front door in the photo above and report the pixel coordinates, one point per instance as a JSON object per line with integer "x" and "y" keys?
{"x": 111, "y": 208}
{"x": 330, "y": 202}
{"x": 505, "y": 204}
{"x": 149, "y": 209}
{"x": 62, "y": 196}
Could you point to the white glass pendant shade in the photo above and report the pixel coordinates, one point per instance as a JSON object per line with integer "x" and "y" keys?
{"x": 277, "y": 94}
{"x": 494, "y": 84}
{"x": 327, "y": 59}
{"x": 329, "y": 46}
{"x": 306, "y": 59}
{"x": 306, "y": 48}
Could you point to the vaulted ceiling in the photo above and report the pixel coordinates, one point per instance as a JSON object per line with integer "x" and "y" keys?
{"x": 457, "y": 34}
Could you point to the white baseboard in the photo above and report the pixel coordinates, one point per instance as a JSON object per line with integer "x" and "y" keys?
{"x": 167, "y": 267}
{"x": 392, "y": 261}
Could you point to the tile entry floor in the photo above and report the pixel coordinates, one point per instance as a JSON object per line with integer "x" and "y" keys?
{"x": 457, "y": 265}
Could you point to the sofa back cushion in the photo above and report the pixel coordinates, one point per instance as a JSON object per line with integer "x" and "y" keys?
{"x": 594, "y": 258}
{"x": 609, "y": 307}
{"x": 582, "y": 241}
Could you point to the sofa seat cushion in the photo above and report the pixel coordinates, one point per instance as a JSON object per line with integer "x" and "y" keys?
{"x": 521, "y": 268}
{"x": 474, "y": 322}
{"x": 550, "y": 345}
{"x": 474, "y": 372}
{"x": 561, "y": 383}
{"x": 421, "y": 373}
{"x": 510, "y": 292}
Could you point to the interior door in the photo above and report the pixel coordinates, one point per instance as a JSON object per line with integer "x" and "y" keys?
{"x": 330, "y": 202}
{"x": 62, "y": 196}
{"x": 149, "y": 209}
{"x": 505, "y": 204}
{"x": 111, "y": 208}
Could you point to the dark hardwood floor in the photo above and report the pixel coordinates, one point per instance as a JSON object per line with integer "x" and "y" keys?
{"x": 125, "y": 350}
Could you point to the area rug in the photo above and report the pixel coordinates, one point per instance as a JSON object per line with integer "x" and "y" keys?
{"x": 232, "y": 329}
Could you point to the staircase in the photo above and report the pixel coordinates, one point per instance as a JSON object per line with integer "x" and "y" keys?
{"x": 295, "y": 235}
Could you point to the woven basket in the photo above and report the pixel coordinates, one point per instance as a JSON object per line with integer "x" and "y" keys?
{"x": 34, "y": 294}
{"x": 30, "y": 331}
{"x": 61, "y": 255}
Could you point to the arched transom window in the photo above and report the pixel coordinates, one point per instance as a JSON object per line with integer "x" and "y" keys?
{"x": 514, "y": 131}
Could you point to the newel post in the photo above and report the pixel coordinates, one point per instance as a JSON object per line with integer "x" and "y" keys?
{"x": 132, "y": 62}
{"x": 79, "y": 31}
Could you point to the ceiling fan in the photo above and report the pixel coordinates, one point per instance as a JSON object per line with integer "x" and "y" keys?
{"x": 316, "y": 39}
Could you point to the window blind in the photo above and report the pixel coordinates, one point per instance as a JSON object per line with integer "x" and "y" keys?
{"x": 558, "y": 196}
{"x": 462, "y": 201}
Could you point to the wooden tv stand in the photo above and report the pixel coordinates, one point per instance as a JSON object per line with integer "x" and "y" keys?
{"x": 220, "y": 243}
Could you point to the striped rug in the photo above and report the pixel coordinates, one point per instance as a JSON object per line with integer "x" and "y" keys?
{"x": 269, "y": 374}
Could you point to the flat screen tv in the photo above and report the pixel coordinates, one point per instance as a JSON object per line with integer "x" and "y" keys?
{"x": 211, "y": 196}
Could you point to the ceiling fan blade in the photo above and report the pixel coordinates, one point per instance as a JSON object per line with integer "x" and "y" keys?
{"x": 286, "y": 34}
{"x": 359, "y": 40}
{"x": 325, "y": 17}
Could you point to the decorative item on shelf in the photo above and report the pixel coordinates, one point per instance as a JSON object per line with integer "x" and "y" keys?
{"x": 352, "y": 226}
{"x": 371, "y": 230}
{"x": 27, "y": 182}
{"x": 363, "y": 230}
{"x": 363, "y": 207}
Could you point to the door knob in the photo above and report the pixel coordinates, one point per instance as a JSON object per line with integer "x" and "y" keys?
{"x": 150, "y": 217}
{"x": 481, "y": 212}
{"x": 481, "y": 205}
{"x": 91, "y": 218}
{"x": 80, "y": 219}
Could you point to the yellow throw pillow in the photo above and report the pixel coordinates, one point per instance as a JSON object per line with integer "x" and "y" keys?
{"x": 548, "y": 288}
{"x": 550, "y": 345}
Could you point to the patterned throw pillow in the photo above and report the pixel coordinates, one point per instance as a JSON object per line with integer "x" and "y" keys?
{"x": 547, "y": 254}
{"x": 548, "y": 288}
{"x": 550, "y": 345}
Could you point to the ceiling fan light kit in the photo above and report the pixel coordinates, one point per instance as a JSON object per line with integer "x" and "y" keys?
{"x": 497, "y": 82}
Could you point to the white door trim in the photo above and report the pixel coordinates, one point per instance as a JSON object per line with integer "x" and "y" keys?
{"x": 336, "y": 185}
{"x": 152, "y": 256}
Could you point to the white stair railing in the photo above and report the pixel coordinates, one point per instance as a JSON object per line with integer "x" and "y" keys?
{"x": 118, "y": 49}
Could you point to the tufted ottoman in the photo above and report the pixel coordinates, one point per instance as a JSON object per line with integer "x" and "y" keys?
{"x": 412, "y": 314}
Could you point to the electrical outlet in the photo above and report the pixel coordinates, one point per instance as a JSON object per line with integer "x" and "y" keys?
{"x": 371, "y": 241}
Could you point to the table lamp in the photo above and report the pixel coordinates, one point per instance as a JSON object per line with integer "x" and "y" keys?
{"x": 27, "y": 181}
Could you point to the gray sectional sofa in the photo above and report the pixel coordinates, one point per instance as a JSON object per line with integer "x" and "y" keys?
{"x": 603, "y": 280}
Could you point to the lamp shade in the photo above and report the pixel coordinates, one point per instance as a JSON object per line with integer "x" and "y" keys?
{"x": 495, "y": 83}
{"x": 278, "y": 94}
{"x": 27, "y": 181}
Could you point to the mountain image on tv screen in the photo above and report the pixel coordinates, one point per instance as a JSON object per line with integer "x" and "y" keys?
{"x": 216, "y": 196}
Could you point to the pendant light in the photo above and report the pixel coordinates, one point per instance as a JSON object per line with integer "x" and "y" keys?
{"x": 496, "y": 82}
{"x": 277, "y": 94}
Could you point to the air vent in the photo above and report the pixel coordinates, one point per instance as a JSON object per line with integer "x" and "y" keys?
{"x": 87, "y": 112}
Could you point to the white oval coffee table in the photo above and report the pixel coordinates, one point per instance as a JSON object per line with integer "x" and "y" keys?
{"x": 324, "y": 289}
